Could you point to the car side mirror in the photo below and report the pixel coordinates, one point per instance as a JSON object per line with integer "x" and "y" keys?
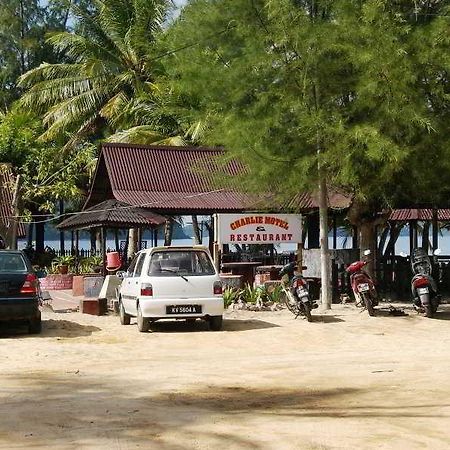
{"x": 438, "y": 251}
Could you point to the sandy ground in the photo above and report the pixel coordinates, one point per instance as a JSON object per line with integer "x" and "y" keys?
{"x": 267, "y": 381}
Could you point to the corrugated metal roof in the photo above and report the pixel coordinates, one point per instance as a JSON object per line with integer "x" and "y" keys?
{"x": 112, "y": 214}
{"x": 6, "y": 198}
{"x": 183, "y": 180}
{"x": 443, "y": 215}
{"x": 305, "y": 200}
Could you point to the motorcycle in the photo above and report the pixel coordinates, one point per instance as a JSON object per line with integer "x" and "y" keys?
{"x": 298, "y": 299}
{"x": 362, "y": 285}
{"x": 423, "y": 286}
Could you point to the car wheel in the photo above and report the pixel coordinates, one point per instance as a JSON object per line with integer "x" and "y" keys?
{"x": 35, "y": 325}
{"x": 124, "y": 317}
{"x": 215, "y": 323}
{"x": 142, "y": 323}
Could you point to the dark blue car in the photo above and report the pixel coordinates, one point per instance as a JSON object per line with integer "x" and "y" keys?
{"x": 19, "y": 291}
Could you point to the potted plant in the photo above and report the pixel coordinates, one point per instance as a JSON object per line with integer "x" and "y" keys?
{"x": 96, "y": 263}
{"x": 62, "y": 263}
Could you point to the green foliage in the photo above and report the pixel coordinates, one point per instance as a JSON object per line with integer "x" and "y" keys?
{"x": 63, "y": 260}
{"x": 46, "y": 173}
{"x": 18, "y": 133}
{"x": 60, "y": 261}
{"x": 107, "y": 76}
{"x": 254, "y": 294}
{"x": 288, "y": 84}
{"x": 89, "y": 264}
{"x": 230, "y": 296}
{"x": 23, "y": 25}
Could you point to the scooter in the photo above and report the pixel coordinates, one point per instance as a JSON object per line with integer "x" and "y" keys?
{"x": 298, "y": 300}
{"x": 362, "y": 285}
{"x": 423, "y": 287}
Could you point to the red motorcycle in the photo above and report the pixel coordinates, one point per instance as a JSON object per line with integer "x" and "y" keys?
{"x": 363, "y": 286}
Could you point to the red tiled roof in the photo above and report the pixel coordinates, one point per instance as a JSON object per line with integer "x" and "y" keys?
{"x": 443, "y": 215}
{"x": 181, "y": 180}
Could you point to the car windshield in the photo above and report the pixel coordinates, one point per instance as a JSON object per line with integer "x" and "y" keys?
{"x": 12, "y": 262}
{"x": 186, "y": 262}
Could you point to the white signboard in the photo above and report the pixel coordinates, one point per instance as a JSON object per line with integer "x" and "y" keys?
{"x": 259, "y": 228}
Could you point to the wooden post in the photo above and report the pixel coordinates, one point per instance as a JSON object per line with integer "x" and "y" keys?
{"x": 139, "y": 239}
{"x": 62, "y": 243}
{"x": 300, "y": 257}
{"x": 435, "y": 230}
{"x": 411, "y": 237}
{"x": 103, "y": 243}
{"x": 77, "y": 242}
{"x": 116, "y": 239}
{"x": 334, "y": 232}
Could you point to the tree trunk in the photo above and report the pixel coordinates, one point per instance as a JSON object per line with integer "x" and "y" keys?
{"x": 324, "y": 254}
{"x": 368, "y": 239}
{"x": 14, "y": 221}
{"x": 197, "y": 236}
{"x": 132, "y": 242}
{"x": 394, "y": 234}
{"x": 366, "y": 219}
{"x": 383, "y": 238}
{"x": 168, "y": 232}
{"x": 426, "y": 236}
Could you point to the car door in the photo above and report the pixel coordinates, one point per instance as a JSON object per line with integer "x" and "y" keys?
{"x": 135, "y": 284}
{"x": 126, "y": 287}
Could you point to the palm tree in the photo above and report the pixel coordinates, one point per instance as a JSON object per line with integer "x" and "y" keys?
{"x": 109, "y": 73}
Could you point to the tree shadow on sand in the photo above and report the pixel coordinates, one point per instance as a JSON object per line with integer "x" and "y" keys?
{"x": 50, "y": 328}
{"x": 143, "y": 416}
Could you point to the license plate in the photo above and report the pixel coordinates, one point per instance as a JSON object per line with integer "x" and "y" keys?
{"x": 183, "y": 309}
{"x": 363, "y": 287}
{"x": 421, "y": 291}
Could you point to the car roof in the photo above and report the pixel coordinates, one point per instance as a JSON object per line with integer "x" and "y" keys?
{"x": 174, "y": 248}
{"x": 5, "y": 250}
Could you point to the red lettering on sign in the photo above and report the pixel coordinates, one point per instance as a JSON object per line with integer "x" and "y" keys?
{"x": 231, "y": 237}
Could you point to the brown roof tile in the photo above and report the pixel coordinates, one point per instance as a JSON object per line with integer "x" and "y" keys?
{"x": 400, "y": 215}
{"x": 182, "y": 180}
{"x": 112, "y": 214}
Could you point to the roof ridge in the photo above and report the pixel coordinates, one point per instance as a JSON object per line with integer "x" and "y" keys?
{"x": 106, "y": 145}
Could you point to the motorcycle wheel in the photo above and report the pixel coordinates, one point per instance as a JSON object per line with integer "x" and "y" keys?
{"x": 291, "y": 303}
{"x": 428, "y": 311}
{"x": 434, "y": 305}
{"x": 307, "y": 312}
{"x": 368, "y": 304}
{"x": 427, "y": 305}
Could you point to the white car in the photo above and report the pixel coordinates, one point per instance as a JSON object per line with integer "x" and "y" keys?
{"x": 171, "y": 283}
